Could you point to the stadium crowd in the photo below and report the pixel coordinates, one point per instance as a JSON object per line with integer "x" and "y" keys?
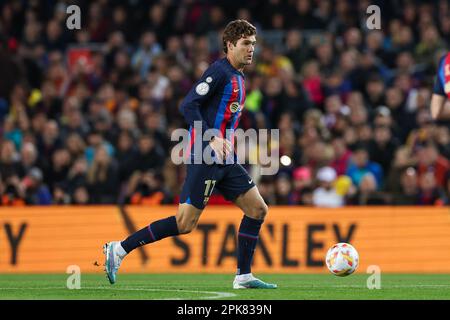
{"x": 86, "y": 115}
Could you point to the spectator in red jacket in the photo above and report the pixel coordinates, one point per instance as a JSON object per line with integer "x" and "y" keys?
{"x": 429, "y": 160}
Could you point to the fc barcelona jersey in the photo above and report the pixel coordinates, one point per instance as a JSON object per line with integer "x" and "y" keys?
{"x": 216, "y": 100}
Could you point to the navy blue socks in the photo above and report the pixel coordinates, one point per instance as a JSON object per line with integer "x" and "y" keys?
{"x": 156, "y": 231}
{"x": 247, "y": 240}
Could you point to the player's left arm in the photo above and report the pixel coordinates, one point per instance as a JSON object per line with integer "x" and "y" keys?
{"x": 440, "y": 110}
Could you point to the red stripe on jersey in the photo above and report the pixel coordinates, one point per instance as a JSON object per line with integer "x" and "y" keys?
{"x": 191, "y": 143}
{"x": 243, "y": 93}
{"x": 228, "y": 113}
{"x": 242, "y": 102}
{"x": 447, "y": 75}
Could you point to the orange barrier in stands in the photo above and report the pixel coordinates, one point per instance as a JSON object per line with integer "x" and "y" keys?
{"x": 292, "y": 240}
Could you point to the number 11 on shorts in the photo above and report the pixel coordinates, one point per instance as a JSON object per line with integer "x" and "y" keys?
{"x": 208, "y": 190}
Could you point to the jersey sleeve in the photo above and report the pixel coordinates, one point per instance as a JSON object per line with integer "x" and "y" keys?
{"x": 438, "y": 87}
{"x": 209, "y": 84}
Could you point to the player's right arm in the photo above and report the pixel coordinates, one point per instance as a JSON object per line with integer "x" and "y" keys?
{"x": 439, "y": 110}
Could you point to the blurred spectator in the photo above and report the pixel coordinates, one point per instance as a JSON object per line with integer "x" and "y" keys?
{"x": 75, "y": 145}
{"x": 367, "y": 193}
{"x": 312, "y": 82}
{"x": 283, "y": 190}
{"x": 429, "y": 160}
{"x": 143, "y": 58}
{"x": 307, "y": 198}
{"x": 267, "y": 190}
{"x": 325, "y": 195}
{"x": 409, "y": 188}
{"x": 95, "y": 141}
{"x": 297, "y": 52}
{"x": 103, "y": 178}
{"x": 149, "y": 155}
{"x": 442, "y": 138}
{"x": 81, "y": 196}
{"x": 403, "y": 159}
{"x": 28, "y": 158}
{"x": 59, "y": 168}
{"x": 302, "y": 180}
{"x": 375, "y": 89}
{"x": 12, "y": 191}
{"x": 60, "y": 197}
{"x": 447, "y": 189}
{"x": 126, "y": 153}
{"x": 429, "y": 192}
{"x": 9, "y": 164}
{"x": 147, "y": 189}
{"x": 76, "y": 177}
{"x": 36, "y": 192}
{"x": 360, "y": 165}
{"x": 342, "y": 155}
{"x": 47, "y": 142}
{"x": 382, "y": 147}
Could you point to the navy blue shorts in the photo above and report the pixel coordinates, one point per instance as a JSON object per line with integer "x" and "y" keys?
{"x": 201, "y": 180}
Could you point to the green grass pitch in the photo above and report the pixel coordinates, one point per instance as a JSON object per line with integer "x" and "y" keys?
{"x": 218, "y": 286}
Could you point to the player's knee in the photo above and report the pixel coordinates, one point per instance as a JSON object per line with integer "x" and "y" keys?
{"x": 260, "y": 211}
{"x": 186, "y": 225}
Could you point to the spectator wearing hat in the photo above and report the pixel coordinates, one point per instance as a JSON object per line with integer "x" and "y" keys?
{"x": 326, "y": 195}
{"x": 302, "y": 178}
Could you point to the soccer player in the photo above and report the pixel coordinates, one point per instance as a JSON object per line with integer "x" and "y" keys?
{"x": 215, "y": 102}
{"x": 440, "y": 108}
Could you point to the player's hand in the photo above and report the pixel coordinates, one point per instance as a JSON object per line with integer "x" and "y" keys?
{"x": 222, "y": 147}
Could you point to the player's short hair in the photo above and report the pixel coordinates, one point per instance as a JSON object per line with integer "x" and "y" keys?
{"x": 235, "y": 30}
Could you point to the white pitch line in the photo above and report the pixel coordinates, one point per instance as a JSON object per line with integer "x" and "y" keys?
{"x": 384, "y": 287}
{"x": 216, "y": 294}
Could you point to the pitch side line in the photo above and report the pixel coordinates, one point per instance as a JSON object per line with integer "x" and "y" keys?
{"x": 216, "y": 294}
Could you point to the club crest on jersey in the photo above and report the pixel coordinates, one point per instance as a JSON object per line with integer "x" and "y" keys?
{"x": 234, "y": 107}
{"x": 202, "y": 88}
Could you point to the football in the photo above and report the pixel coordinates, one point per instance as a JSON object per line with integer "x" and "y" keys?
{"x": 342, "y": 259}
